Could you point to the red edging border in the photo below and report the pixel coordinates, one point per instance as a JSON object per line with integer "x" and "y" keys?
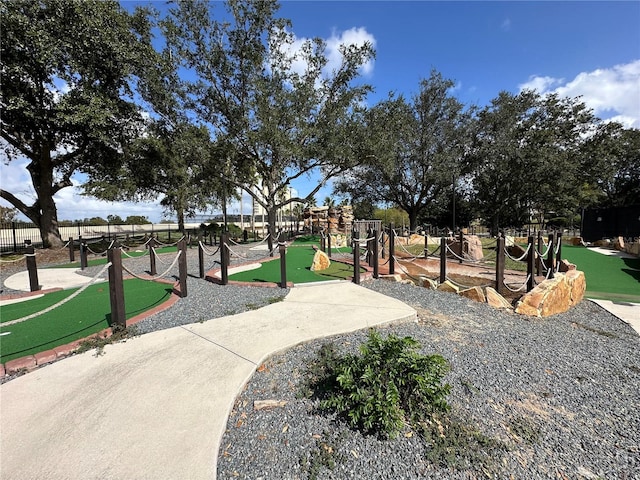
{"x": 31, "y": 362}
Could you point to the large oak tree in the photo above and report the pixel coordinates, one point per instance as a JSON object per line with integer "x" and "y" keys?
{"x": 67, "y": 102}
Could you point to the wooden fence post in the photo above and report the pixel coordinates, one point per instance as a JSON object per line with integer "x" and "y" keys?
{"x": 392, "y": 248}
{"x": 538, "y": 255}
{"x": 283, "y": 265}
{"x": 30, "y": 256}
{"x": 369, "y": 249}
{"x": 84, "y": 262}
{"x": 356, "y": 257}
{"x": 200, "y": 258}
{"x": 116, "y": 287}
{"x": 550, "y": 259}
{"x": 530, "y": 264}
{"x": 500, "y": 264}
{"x": 152, "y": 256}
{"x": 443, "y": 259}
{"x": 461, "y": 240}
{"x": 559, "y": 255}
{"x": 72, "y": 253}
{"x": 182, "y": 267}
{"x": 323, "y": 242}
{"x": 329, "y": 244}
{"x": 382, "y": 238}
{"x": 376, "y": 263}
{"x": 224, "y": 261}
{"x": 426, "y": 244}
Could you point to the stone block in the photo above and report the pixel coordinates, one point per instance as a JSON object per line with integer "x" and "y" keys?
{"x": 473, "y": 247}
{"x": 565, "y": 266}
{"x": 428, "y": 283}
{"x": 496, "y": 300}
{"x": 47, "y": 356}
{"x": 24, "y": 363}
{"x": 618, "y": 244}
{"x": 474, "y": 293}
{"x": 320, "y": 261}
{"x": 555, "y": 295}
{"x": 578, "y": 284}
{"x": 447, "y": 286}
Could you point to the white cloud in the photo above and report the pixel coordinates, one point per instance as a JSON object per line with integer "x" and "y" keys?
{"x": 353, "y": 36}
{"x": 506, "y": 25}
{"x": 612, "y": 93}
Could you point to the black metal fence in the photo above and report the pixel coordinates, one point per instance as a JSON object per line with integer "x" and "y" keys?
{"x": 13, "y": 235}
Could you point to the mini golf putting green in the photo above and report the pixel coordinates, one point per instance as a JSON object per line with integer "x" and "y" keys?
{"x": 299, "y": 258}
{"x": 88, "y": 313}
{"x": 609, "y": 277}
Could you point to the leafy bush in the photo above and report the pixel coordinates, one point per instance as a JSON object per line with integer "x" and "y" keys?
{"x": 386, "y": 386}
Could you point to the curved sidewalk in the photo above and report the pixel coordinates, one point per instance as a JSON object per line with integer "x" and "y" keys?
{"x": 156, "y": 406}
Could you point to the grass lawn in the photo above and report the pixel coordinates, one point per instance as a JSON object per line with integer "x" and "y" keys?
{"x": 608, "y": 277}
{"x": 299, "y": 258}
{"x": 82, "y": 316}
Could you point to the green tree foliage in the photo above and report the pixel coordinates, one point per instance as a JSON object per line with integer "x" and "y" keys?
{"x": 67, "y": 72}
{"x": 415, "y": 149}
{"x": 273, "y": 122}
{"x": 8, "y": 214}
{"x": 136, "y": 220}
{"x": 527, "y": 154}
{"x": 610, "y": 167}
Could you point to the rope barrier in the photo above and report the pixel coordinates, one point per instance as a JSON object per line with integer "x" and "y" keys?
{"x": 545, "y": 252}
{"x": 207, "y": 251}
{"x": 13, "y": 261}
{"x": 169, "y": 244}
{"x": 61, "y": 302}
{"x": 163, "y": 274}
{"x": 457, "y": 284}
{"x": 519, "y": 259}
{"x": 406, "y": 272}
{"x": 158, "y": 257}
{"x": 521, "y": 287}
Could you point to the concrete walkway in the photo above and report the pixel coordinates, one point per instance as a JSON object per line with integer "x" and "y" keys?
{"x": 156, "y": 406}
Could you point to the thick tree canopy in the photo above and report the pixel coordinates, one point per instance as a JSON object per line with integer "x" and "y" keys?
{"x": 66, "y": 74}
{"x": 276, "y": 112}
{"x": 413, "y": 151}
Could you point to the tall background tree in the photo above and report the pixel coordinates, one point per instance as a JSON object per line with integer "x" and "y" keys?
{"x": 67, "y": 102}
{"x": 273, "y": 121}
{"x": 413, "y": 150}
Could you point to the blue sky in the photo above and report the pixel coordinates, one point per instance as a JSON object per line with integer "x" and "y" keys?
{"x": 573, "y": 48}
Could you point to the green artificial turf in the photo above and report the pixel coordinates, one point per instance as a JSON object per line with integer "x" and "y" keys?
{"x": 80, "y": 317}
{"x": 608, "y": 277}
{"x": 299, "y": 259}
{"x": 103, "y": 260}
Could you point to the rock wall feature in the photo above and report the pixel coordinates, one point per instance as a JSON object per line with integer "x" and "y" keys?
{"x": 555, "y": 295}
{"x": 332, "y": 220}
{"x": 320, "y": 261}
{"x": 471, "y": 247}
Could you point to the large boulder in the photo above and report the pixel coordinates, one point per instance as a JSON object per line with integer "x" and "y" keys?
{"x": 474, "y": 293}
{"x": 473, "y": 247}
{"x": 554, "y": 295}
{"x": 320, "y": 261}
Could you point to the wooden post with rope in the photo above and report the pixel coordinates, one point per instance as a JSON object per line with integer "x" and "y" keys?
{"x": 283, "y": 265}
{"x": 201, "y": 257}
{"x": 550, "y": 259}
{"x": 224, "y": 262}
{"x": 500, "y": 264}
{"x": 116, "y": 287}
{"x": 356, "y": 257}
{"x": 376, "y": 263}
{"x": 530, "y": 264}
{"x": 152, "y": 256}
{"x": 443, "y": 259}
{"x": 30, "y": 257}
{"x": 182, "y": 267}
{"x": 392, "y": 248}
{"x": 72, "y": 253}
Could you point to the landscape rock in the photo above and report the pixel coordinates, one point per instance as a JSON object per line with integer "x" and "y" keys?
{"x": 554, "y": 295}
{"x": 428, "y": 283}
{"x": 447, "y": 286}
{"x": 320, "y": 261}
{"x": 473, "y": 247}
{"x": 496, "y": 300}
{"x": 576, "y": 241}
{"x": 618, "y": 244}
{"x": 474, "y": 293}
{"x": 565, "y": 265}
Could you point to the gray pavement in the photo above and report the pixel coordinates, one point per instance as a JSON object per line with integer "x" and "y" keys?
{"x": 156, "y": 406}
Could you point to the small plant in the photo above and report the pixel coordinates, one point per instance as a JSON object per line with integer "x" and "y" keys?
{"x": 119, "y": 334}
{"x": 386, "y": 386}
{"x": 324, "y": 455}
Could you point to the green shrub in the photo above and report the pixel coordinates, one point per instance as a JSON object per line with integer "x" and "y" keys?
{"x": 387, "y": 385}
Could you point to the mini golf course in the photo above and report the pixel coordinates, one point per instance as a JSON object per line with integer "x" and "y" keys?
{"x": 103, "y": 260}
{"x": 299, "y": 257}
{"x": 609, "y": 277}
{"x": 84, "y": 315}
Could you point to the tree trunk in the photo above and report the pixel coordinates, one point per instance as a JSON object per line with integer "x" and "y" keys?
{"x": 44, "y": 212}
{"x": 49, "y": 224}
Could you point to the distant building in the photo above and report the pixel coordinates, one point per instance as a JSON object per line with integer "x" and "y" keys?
{"x": 599, "y": 223}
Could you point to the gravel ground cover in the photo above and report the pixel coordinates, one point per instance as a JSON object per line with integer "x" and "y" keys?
{"x": 540, "y": 398}
{"x": 554, "y": 398}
